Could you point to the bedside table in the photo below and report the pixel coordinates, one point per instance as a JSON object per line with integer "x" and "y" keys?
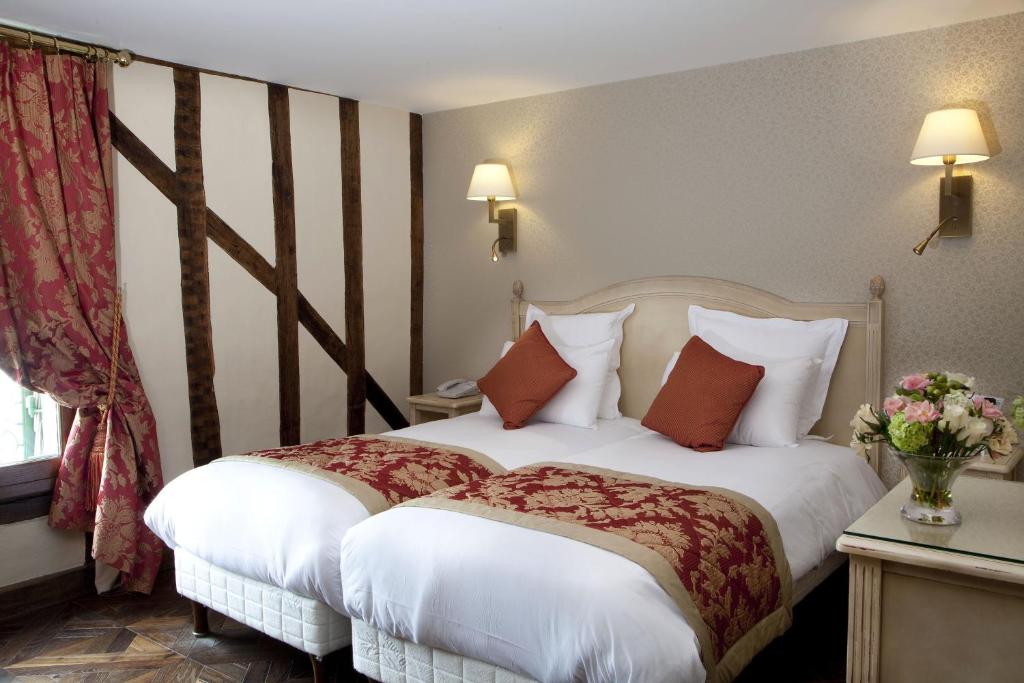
{"x": 1003, "y": 468}
{"x": 427, "y": 407}
{"x": 930, "y": 603}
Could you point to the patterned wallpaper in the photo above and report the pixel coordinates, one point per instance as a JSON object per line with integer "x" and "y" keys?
{"x": 790, "y": 173}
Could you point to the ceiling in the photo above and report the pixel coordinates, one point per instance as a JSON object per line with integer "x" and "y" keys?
{"x": 430, "y": 55}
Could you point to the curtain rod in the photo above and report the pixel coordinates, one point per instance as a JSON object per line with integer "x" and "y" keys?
{"x": 45, "y": 41}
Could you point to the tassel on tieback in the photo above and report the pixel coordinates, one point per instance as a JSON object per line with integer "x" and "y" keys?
{"x": 97, "y": 453}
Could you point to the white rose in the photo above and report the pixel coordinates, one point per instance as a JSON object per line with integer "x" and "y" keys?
{"x": 1003, "y": 443}
{"x": 859, "y": 448}
{"x": 954, "y": 418}
{"x": 960, "y": 377}
{"x": 976, "y": 431}
{"x": 958, "y": 398}
{"x": 864, "y": 421}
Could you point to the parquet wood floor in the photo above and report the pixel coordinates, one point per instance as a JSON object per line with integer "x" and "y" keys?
{"x": 145, "y": 639}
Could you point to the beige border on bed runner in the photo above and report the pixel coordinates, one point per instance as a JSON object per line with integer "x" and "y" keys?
{"x": 743, "y": 650}
{"x": 369, "y": 497}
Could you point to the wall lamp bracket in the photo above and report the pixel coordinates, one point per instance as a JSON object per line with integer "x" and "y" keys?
{"x": 506, "y": 220}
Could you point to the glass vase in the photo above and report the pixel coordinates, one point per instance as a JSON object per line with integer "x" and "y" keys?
{"x": 932, "y": 477}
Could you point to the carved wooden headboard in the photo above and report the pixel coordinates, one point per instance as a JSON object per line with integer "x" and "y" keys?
{"x": 659, "y": 328}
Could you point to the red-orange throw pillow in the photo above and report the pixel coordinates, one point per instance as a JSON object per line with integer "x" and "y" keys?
{"x": 703, "y": 397}
{"x": 526, "y": 378}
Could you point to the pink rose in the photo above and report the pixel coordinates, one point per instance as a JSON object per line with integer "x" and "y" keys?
{"x": 990, "y": 410}
{"x": 915, "y": 382}
{"x": 893, "y": 405}
{"x": 921, "y": 411}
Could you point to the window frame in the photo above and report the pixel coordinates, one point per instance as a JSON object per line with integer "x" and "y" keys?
{"x": 26, "y": 488}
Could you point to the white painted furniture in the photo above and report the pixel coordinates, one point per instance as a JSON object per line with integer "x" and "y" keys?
{"x": 1004, "y": 468}
{"x": 427, "y": 407}
{"x": 932, "y": 603}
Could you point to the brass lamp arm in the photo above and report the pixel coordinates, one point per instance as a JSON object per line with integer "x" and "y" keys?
{"x": 923, "y": 244}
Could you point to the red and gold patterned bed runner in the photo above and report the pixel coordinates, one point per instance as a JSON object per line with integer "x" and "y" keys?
{"x": 380, "y": 471}
{"x": 717, "y": 553}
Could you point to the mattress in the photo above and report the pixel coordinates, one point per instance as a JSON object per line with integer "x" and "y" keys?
{"x": 284, "y": 528}
{"x": 301, "y": 622}
{"x": 540, "y": 605}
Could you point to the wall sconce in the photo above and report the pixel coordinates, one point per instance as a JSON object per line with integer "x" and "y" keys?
{"x": 948, "y": 137}
{"x": 493, "y": 182}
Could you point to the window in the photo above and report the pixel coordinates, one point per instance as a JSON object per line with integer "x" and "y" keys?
{"x": 29, "y": 424}
{"x": 33, "y": 431}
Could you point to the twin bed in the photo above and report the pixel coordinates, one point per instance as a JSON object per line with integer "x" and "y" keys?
{"x": 432, "y": 593}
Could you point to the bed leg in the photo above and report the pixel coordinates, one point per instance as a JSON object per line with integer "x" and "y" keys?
{"x": 319, "y": 670}
{"x": 200, "y": 620}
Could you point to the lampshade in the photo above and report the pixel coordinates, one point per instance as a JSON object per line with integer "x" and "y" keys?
{"x": 950, "y": 132}
{"x": 491, "y": 181}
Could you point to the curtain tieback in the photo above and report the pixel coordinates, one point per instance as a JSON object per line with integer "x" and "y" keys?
{"x": 97, "y": 454}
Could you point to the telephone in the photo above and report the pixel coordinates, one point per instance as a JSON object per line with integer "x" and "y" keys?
{"x": 457, "y": 388}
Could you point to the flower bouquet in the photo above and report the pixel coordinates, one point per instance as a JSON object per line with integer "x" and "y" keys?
{"x": 936, "y": 425}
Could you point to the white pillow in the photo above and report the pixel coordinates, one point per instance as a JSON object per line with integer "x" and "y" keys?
{"x": 576, "y": 404}
{"x": 584, "y": 329}
{"x": 771, "y": 417}
{"x": 780, "y": 339}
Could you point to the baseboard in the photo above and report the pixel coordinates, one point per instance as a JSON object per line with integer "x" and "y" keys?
{"x": 20, "y": 599}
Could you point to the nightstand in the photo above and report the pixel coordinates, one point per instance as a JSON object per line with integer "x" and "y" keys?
{"x": 1003, "y": 468}
{"x": 427, "y": 407}
{"x": 930, "y": 603}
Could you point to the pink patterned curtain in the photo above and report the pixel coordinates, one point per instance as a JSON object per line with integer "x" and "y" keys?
{"x": 58, "y": 281}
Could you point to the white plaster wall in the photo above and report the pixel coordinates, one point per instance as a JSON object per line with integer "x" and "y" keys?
{"x": 31, "y": 550}
{"x": 148, "y": 265}
{"x": 316, "y": 162}
{"x": 237, "y": 174}
{"x": 384, "y": 147}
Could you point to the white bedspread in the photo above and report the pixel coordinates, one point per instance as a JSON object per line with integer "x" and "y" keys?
{"x": 556, "y": 609}
{"x": 285, "y": 528}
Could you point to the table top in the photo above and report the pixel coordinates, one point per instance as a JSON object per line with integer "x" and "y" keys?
{"x": 992, "y": 527}
{"x": 432, "y": 399}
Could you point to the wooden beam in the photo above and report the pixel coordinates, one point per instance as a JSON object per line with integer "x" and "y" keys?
{"x": 220, "y": 233}
{"x": 416, "y": 261}
{"x": 285, "y": 268}
{"x": 352, "y": 239}
{"x": 195, "y": 272}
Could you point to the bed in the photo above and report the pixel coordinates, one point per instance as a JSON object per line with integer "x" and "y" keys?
{"x": 275, "y": 567}
{"x": 436, "y": 595}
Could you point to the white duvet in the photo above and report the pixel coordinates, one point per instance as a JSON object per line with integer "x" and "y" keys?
{"x": 556, "y": 609}
{"x": 285, "y": 528}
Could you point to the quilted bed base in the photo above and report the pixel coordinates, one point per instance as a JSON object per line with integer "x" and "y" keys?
{"x": 388, "y": 659}
{"x": 302, "y": 622}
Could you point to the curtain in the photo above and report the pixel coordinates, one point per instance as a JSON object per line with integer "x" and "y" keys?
{"x": 58, "y": 281}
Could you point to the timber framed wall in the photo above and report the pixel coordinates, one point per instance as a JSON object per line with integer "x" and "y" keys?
{"x": 285, "y": 205}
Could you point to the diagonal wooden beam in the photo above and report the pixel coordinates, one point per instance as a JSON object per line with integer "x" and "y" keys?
{"x": 224, "y": 236}
{"x": 416, "y": 260}
{"x": 352, "y": 239}
{"x": 285, "y": 267}
{"x": 195, "y": 273}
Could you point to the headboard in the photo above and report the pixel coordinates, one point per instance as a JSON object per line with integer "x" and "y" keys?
{"x": 658, "y": 328}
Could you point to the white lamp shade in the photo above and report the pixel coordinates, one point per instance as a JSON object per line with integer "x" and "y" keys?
{"x": 950, "y": 131}
{"x": 491, "y": 181}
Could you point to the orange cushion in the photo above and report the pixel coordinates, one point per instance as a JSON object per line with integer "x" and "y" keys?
{"x": 526, "y": 378}
{"x": 703, "y": 397}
